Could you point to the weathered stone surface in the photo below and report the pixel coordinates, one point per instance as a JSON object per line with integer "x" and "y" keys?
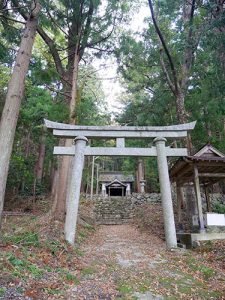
{"x": 138, "y": 199}
{"x": 119, "y": 210}
{"x": 113, "y": 210}
{"x": 147, "y": 296}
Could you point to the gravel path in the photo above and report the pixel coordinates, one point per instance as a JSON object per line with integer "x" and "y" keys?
{"x": 112, "y": 257}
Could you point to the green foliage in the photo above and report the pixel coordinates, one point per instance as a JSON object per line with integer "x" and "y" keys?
{"x": 206, "y": 271}
{"x": 148, "y": 101}
{"x": 26, "y": 239}
{"x": 70, "y": 277}
{"x": 125, "y": 289}
{"x": 88, "y": 270}
{"x": 2, "y": 291}
{"x": 4, "y": 77}
{"x": 37, "y": 105}
{"x": 219, "y": 208}
{"x": 22, "y": 266}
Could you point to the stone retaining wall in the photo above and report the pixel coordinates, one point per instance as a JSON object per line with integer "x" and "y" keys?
{"x": 113, "y": 210}
{"x": 138, "y": 199}
{"x": 119, "y": 210}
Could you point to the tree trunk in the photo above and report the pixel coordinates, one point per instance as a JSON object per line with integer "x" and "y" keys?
{"x": 61, "y": 187}
{"x": 182, "y": 118}
{"x": 41, "y": 156}
{"x": 26, "y": 150}
{"x": 13, "y": 99}
{"x": 60, "y": 195}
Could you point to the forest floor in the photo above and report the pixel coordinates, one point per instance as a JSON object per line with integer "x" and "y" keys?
{"x": 108, "y": 262}
{"x": 120, "y": 262}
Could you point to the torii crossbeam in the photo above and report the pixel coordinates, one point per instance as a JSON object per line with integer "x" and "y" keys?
{"x": 80, "y": 134}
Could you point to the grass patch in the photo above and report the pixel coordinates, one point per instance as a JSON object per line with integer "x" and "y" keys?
{"x": 53, "y": 246}
{"x": 79, "y": 252}
{"x": 144, "y": 286}
{"x": 207, "y": 272}
{"x": 124, "y": 289}
{"x": 27, "y": 238}
{"x": 71, "y": 278}
{"x": 52, "y": 291}
{"x": 111, "y": 267}
{"x": 67, "y": 276}
{"x": 88, "y": 271}
{"x": 194, "y": 265}
{"x": 22, "y": 268}
{"x": 2, "y": 291}
{"x": 82, "y": 234}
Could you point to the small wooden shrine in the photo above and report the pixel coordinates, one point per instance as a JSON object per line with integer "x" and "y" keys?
{"x": 115, "y": 184}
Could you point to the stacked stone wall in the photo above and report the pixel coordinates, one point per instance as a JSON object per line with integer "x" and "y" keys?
{"x": 113, "y": 210}
{"x": 119, "y": 210}
{"x": 138, "y": 199}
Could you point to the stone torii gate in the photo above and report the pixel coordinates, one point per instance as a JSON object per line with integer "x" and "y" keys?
{"x": 80, "y": 134}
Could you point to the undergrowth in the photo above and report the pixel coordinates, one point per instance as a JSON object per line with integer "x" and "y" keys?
{"x": 35, "y": 260}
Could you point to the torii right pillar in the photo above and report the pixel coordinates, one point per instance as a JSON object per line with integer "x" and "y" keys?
{"x": 166, "y": 196}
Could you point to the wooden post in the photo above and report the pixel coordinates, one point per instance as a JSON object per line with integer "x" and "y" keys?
{"x": 97, "y": 169}
{"x": 73, "y": 195}
{"x": 199, "y": 199}
{"x": 92, "y": 176}
{"x": 180, "y": 201}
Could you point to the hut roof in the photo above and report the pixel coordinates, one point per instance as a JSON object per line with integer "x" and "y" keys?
{"x": 209, "y": 161}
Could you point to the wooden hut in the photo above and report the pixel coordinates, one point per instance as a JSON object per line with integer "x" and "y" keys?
{"x": 204, "y": 169}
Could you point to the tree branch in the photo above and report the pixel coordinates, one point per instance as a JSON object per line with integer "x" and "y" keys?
{"x": 57, "y": 25}
{"x": 170, "y": 83}
{"x": 11, "y": 19}
{"x": 101, "y": 50}
{"x": 175, "y": 79}
{"x": 55, "y": 91}
{"x": 190, "y": 48}
{"x": 53, "y": 49}
{"x": 91, "y": 45}
{"x": 50, "y": 43}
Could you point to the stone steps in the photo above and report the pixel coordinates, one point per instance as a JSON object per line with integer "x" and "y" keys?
{"x": 113, "y": 210}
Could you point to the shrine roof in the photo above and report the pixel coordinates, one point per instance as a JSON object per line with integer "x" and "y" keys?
{"x": 111, "y": 176}
{"x": 116, "y": 183}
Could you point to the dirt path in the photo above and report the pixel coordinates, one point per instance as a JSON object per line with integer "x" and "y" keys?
{"x": 119, "y": 262}
{"x": 110, "y": 255}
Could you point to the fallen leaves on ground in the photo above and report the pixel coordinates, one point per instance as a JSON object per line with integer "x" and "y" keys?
{"x": 108, "y": 262}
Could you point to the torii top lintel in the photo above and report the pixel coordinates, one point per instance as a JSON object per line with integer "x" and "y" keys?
{"x": 72, "y": 131}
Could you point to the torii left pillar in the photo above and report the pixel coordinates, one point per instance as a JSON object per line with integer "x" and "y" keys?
{"x": 74, "y": 189}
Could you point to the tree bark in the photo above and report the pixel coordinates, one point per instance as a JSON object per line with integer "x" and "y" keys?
{"x": 63, "y": 179}
{"x": 26, "y": 153}
{"x": 41, "y": 156}
{"x": 182, "y": 117}
{"x": 13, "y": 98}
{"x": 59, "y": 207}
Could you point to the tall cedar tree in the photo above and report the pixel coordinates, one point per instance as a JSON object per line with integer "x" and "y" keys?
{"x": 14, "y": 96}
{"x": 81, "y": 25}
